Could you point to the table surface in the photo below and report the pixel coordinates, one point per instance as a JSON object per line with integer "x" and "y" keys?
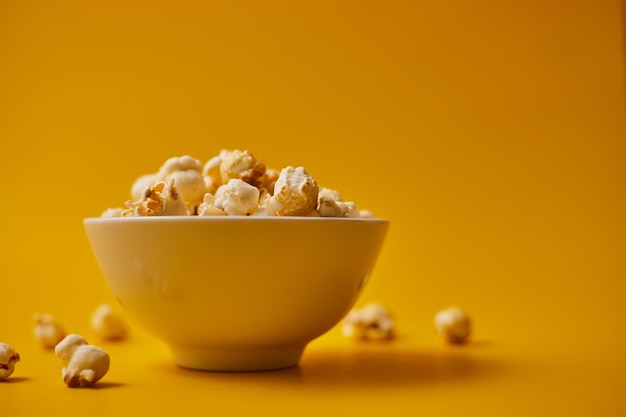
{"x": 410, "y": 375}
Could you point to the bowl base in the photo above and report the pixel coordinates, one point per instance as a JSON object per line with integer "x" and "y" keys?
{"x": 236, "y": 359}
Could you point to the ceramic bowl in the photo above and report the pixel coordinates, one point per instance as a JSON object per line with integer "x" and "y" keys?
{"x": 236, "y": 293}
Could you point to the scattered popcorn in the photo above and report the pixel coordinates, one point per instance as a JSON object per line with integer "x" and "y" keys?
{"x": 233, "y": 183}
{"x": 83, "y": 364}
{"x": 453, "y": 325}
{"x": 108, "y": 324}
{"x": 8, "y": 358}
{"x": 372, "y": 322}
{"x": 48, "y": 331}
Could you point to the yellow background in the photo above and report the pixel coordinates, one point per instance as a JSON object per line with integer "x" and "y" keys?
{"x": 491, "y": 134}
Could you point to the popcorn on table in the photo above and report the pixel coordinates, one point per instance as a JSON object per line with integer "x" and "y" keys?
{"x": 372, "y": 322}
{"x": 233, "y": 183}
{"x": 48, "y": 331}
{"x": 109, "y": 324}
{"x": 453, "y": 324}
{"x": 83, "y": 364}
{"x": 8, "y": 358}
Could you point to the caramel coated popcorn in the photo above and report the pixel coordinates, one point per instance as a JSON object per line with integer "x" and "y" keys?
{"x": 233, "y": 183}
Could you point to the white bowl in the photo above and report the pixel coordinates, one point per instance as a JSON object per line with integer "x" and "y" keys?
{"x": 236, "y": 293}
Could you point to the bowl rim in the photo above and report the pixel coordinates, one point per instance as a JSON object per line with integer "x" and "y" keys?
{"x": 225, "y": 219}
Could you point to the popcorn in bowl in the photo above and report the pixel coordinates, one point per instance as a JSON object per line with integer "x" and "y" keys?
{"x": 233, "y": 183}
{"x": 154, "y": 255}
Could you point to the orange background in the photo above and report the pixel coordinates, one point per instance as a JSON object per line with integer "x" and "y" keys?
{"x": 491, "y": 134}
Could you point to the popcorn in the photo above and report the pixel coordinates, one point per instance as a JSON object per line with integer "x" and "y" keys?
{"x": 264, "y": 208}
{"x": 176, "y": 164}
{"x": 330, "y": 204}
{"x": 83, "y": 364}
{"x": 271, "y": 176}
{"x": 159, "y": 199}
{"x": 8, "y": 358}
{"x": 366, "y": 214}
{"x": 141, "y": 184}
{"x": 113, "y": 212}
{"x": 233, "y": 183}
{"x": 329, "y": 194}
{"x": 211, "y": 172}
{"x": 237, "y": 198}
{"x": 453, "y": 325}
{"x": 109, "y": 324}
{"x": 186, "y": 172}
{"x": 48, "y": 331}
{"x": 242, "y": 165}
{"x": 372, "y": 322}
{"x": 295, "y": 193}
{"x": 207, "y": 208}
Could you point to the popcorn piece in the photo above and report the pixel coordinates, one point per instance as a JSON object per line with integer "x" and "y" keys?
{"x": 187, "y": 175}
{"x": 295, "y": 193}
{"x": 264, "y": 208}
{"x": 242, "y": 165}
{"x": 190, "y": 185}
{"x": 207, "y": 208}
{"x": 108, "y": 324}
{"x": 8, "y": 358}
{"x": 181, "y": 163}
{"x": 366, "y": 214}
{"x": 211, "y": 172}
{"x": 271, "y": 176}
{"x": 237, "y": 198}
{"x": 329, "y": 193}
{"x": 141, "y": 184}
{"x": 453, "y": 325}
{"x": 48, "y": 331}
{"x": 159, "y": 200}
{"x": 113, "y": 212}
{"x": 372, "y": 322}
{"x": 330, "y": 208}
{"x": 83, "y": 364}
{"x": 330, "y": 204}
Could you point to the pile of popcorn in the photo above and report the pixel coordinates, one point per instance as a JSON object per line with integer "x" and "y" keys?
{"x": 233, "y": 183}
